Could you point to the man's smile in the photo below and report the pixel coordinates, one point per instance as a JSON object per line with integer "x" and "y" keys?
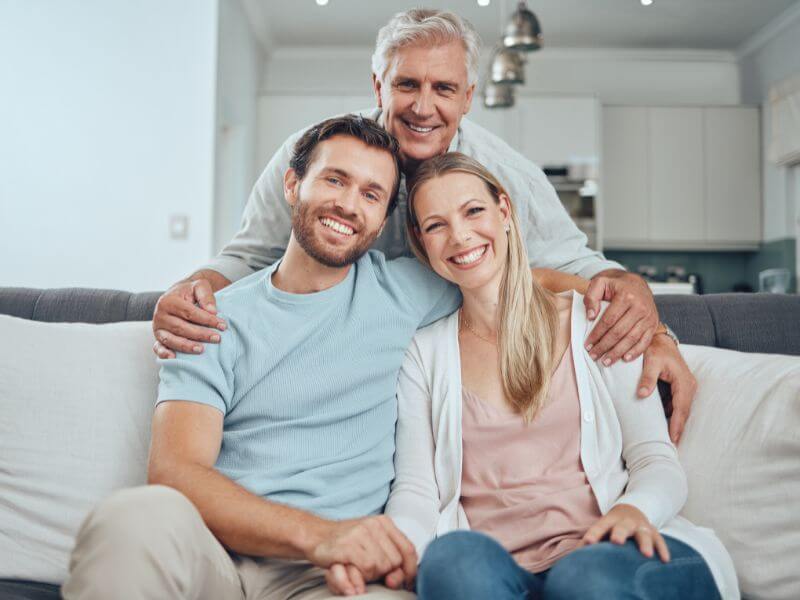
{"x": 337, "y": 226}
{"x": 419, "y": 129}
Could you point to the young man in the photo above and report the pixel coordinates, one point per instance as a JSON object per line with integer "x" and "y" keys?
{"x": 424, "y": 72}
{"x": 277, "y": 443}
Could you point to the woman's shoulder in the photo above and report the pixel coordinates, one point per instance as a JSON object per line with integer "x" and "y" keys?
{"x": 435, "y": 334}
{"x": 573, "y": 302}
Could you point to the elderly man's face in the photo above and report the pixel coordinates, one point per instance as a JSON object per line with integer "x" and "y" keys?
{"x": 423, "y": 95}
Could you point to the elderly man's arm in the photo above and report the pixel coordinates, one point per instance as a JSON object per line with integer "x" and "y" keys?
{"x": 185, "y": 317}
{"x": 623, "y": 332}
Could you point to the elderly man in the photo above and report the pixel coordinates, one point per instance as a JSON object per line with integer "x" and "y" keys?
{"x": 424, "y": 74}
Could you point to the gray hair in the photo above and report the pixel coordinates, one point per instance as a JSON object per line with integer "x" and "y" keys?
{"x": 426, "y": 27}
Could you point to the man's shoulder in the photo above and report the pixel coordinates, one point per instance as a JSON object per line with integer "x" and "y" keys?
{"x": 241, "y": 294}
{"x": 403, "y": 269}
{"x": 495, "y": 153}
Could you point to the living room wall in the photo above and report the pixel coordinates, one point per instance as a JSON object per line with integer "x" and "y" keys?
{"x": 107, "y": 130}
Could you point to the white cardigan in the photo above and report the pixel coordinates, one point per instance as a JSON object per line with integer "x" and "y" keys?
{"x": 617, "y": 430}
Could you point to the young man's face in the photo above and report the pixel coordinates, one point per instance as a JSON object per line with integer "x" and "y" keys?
{"x": 424, "y": 94}
{"x": 339, "y": 207}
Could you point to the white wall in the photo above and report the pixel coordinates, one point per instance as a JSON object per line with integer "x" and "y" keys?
{"x": 613, "y": 76}
{"x": 106, "y": 129}
{"x": 774, "y": 56}
{"x": 240, "y": 66}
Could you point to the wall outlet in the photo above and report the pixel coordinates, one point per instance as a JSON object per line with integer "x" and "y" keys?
{"x": 179, "y": 227}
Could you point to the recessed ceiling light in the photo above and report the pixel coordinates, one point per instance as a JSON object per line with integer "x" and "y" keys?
{"x": 647, "y": 2}
{"x": 324, "y": 2}
{"x": 484, "y": 2}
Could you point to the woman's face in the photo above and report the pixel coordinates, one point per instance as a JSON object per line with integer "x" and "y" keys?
{"x": 462, "y": 228}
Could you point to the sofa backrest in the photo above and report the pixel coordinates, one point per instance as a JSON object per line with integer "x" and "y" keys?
{"x": 745, "y": 322}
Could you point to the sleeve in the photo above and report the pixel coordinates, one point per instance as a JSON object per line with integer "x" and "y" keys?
{"x": 414, "y": 498}
{"x": 205, "y": 378}
{"x": 656, "y": 481}
{"x": 266, "y": 223}
{"x": 421, "y": 288}
{"x": 551, "y": 236}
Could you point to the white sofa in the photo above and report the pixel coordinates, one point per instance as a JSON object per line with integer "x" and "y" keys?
{"x": 76, "y": 401}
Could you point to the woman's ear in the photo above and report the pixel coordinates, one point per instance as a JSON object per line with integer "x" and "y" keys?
{"x": 291, "y": 184}
{"x": 504, "y": 204}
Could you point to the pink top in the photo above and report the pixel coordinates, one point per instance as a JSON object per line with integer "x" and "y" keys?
{"x": 524, "y": 485}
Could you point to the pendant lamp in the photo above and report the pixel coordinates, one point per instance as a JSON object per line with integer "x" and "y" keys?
{"x": 523, "y": 31}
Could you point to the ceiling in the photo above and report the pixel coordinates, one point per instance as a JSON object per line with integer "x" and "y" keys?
{"x": 668, "y": 24}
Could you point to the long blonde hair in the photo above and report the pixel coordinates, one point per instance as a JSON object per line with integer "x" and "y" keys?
{"x": 528, "y": 319}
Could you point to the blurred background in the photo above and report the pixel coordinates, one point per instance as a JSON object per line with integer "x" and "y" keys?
{"x": 131, "y": 133}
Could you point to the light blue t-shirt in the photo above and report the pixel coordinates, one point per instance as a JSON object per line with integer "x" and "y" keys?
{"x": 306, "y": 382}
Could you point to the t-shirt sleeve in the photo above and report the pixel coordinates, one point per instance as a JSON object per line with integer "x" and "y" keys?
{"x": 430, "y": 296}
{"x": 206, "y": 378}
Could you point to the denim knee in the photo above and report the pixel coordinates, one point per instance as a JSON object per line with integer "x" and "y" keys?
{"x": 461, "y": 564}
{"x": 587, "y": 574}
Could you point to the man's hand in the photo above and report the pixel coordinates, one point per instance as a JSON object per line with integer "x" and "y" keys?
{"x": 184, "y": 316}
{"x": 663, "y": 360}
{"x": 628, "y": 324}
{"x": 373, "y": 546}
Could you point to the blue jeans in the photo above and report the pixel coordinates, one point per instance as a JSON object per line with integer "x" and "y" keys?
{"x": 468, "y": 564}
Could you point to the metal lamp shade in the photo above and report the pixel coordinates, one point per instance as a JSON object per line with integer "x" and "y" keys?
{"x": 507, "y": 67}
{"x": 523, "y": 31}
{"x": 498, "y": 95}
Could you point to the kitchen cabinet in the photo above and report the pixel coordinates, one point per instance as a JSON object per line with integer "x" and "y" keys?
{"x": 733, "y": 182}
{"x": 681, "y": 177}
{"x": 675, "y": 148}
{"x": 547, "y": 130}
{"x": 625, "y": 175}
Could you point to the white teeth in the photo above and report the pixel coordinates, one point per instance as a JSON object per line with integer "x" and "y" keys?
{"x": 336, "y": 226}
{"x": 419, "y": 129}
{"x": 467, "y": 259}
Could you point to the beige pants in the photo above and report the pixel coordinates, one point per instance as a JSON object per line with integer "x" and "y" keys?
{"x": 151, "y": 543}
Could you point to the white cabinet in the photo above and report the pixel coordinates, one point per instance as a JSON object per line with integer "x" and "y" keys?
{"x": 625, "y": 175}
{"x": 675, "y": 147}
{"x": 547, "y": 130}
{"x": 681, "y": 177}
{"x": 733, "y": 186}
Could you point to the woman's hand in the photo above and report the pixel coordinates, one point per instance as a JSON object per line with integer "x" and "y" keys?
{"x": 624, "y": 521}
{"x": 347, "y": 580}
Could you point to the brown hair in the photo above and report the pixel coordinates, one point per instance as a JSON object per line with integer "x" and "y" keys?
{"x": 361, "y": 128}
{"x": 528, "y": 319}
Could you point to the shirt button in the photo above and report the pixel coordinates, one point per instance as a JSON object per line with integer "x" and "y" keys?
{"x": 587, "y": 416}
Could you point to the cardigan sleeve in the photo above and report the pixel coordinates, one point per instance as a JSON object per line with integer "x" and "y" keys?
{"x": 414, "y": 499}
{"x": 656, "y": 481}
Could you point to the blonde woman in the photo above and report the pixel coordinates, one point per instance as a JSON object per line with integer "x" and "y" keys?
{"x": 523, "y": 467}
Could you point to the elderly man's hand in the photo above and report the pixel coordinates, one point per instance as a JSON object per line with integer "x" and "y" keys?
{"x": 184, "y": 317}
{"x": 628, "y": 324}
{"x": 663, "y": 360}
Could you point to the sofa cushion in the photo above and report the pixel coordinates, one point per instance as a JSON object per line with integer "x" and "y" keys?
{"x": 28, "y": 590}
{"x": 76, "y": 402}
{"x": 741, "y": 452}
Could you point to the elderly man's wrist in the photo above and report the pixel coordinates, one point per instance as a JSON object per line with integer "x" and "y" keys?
{"x": 663, "y": 329}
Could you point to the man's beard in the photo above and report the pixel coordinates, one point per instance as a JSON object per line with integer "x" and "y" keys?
{"x": 303, "y": 223}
